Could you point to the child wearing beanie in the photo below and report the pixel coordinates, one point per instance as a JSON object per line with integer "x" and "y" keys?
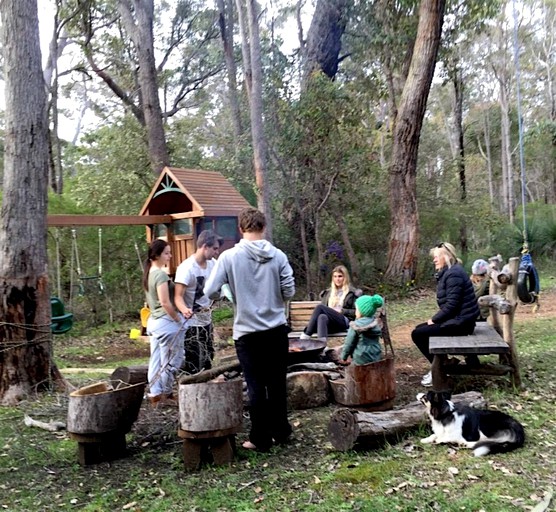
{"x": 481, "y": 283}
{"x": 363, "y": 339}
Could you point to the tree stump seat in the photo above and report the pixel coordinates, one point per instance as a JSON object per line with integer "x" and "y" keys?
{"x": 99, "y": 417}
{"x": 370, "y": 386}
{"x": 211, "y": 413}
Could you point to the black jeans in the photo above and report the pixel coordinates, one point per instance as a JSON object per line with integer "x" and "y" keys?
{"x": 263, "y": 358}
{"x": 423, "y": 332}
{"x": 325, "y": 320}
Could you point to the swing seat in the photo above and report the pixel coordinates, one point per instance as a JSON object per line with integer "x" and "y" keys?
{"x": 61, "y": 322}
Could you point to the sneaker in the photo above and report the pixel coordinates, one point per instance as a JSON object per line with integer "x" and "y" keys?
{"x": 304, "y": 336}
{"x": 427, "y": 380}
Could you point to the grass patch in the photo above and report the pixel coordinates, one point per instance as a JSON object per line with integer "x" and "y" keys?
{"x": 39, "y": 470}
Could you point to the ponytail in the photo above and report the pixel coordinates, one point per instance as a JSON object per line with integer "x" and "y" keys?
{"x": 155, "y": 250}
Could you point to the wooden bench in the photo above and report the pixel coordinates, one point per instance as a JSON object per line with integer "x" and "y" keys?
{"x": 299, "y": 313}
{"x": 492, "y": 337}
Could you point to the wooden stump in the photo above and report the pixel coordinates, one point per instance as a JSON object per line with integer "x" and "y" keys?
{"x": 349, "y": 428}
{"x": 367, "y": 385}
{"x": 211, "y": 413}
{"x": 93, "y": 449}
{"x": 217, "y": 447}
{"x": 130, "y": 374}
{"x": 99, "y": 417}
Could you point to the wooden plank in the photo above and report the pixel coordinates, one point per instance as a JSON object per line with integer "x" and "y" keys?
{"x": 485, "y": 340}
{"x": 107, "y": 220}
{"x": 304, "y": 304}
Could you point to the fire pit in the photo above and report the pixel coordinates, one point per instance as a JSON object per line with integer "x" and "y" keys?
{"x": 303, "y": 351}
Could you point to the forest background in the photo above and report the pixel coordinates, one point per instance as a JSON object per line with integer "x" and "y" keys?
{"x": 326, "y": 130}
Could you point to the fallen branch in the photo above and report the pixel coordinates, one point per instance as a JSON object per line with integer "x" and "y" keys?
{"x": 350, "y": 427}
{"x": 207, "y": 375}
{"x": 52, "y": 426}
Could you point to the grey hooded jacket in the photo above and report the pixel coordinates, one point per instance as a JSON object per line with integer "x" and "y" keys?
{"x": 261, "y": 281}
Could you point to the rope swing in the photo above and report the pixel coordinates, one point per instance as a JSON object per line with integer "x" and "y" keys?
{"x": 528, "y": 278}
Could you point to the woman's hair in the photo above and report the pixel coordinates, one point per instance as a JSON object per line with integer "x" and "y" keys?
{"x": 333, "y": 299}
{"x": 446, "y": 252}
{"x": 155, "y": 250}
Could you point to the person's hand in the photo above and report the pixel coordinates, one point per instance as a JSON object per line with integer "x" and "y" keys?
{"x": 430, "y": 322}
{"x": 344, "y": 362}
{"x": 187, "y": 313}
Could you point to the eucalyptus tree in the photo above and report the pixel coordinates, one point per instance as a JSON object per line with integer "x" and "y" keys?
{"x": 463, "y": 22}
{"x": 321, "y": 51}
{"x": 25, "y": 337}
{"x": 248, "y": 16}
{"x": 404, "y": 221}
{"x": 154, "y": 70}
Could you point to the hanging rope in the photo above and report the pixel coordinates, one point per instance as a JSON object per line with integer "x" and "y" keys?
{"x": 528, "y": 278}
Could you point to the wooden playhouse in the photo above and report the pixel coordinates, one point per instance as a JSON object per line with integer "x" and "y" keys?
{"x": 196, "y": 200}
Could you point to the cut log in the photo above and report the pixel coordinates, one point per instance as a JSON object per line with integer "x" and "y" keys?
{"x": 307, "y": 389}
{"x": 129, "y": 374}
{"x": 98, "y": 409}
{"x": 497, "y": 302}
{"x": 211, "y": 406}
{"x": 207, "y": 375}
{"x": 349, "y": 428}
{"x": 367, "y": 384}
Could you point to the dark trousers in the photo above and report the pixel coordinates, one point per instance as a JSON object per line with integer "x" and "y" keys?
{"x": 324, "y": 321}
{"x": 263, "y": 358}
{"x": 199, "y": 348}
{"x": 423, "y": 332}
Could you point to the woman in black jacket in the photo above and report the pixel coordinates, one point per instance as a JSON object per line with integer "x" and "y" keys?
{"x": 337, "y": 307}
{"x": 458, "y": 309}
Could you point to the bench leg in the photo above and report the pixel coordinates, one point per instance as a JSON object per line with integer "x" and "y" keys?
{"x": 440, "y": 381}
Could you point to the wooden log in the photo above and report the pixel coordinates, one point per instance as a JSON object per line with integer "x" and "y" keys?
{"x": 98, "y": 409}
{"x": 207, "y": 375}
{"x": 349, "y": 428}
{"x": 129, "y": 374}
{"x": 366, "y": 384}
{"x": 497, "y": 302}
{"x": 211, "y": 406}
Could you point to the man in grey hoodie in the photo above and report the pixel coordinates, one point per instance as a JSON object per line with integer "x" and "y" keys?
{"x": 261, "y": 281}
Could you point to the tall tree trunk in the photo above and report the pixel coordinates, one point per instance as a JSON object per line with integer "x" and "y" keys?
{"x": 324, "y": 39}
{"x": 352, "y": 258}
{"x": 457, "y": 81}
{"x": 25, "y": 338}
{"x": 506, "y": 153}
{"x": 404, "y": 223}
{"x": 251, "y": 49}
{"x": 57, "y": 45}
{"x": 137, "y": 17}
{"x": 486, "y": 154}
{"x": 226, "y": 23}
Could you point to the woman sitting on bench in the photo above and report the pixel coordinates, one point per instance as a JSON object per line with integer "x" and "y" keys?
{"x": 458, "y": 309}
{"x": 337, "y": 308}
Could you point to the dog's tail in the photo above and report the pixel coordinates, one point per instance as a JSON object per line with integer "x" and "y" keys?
{"x": 505, "y": 441}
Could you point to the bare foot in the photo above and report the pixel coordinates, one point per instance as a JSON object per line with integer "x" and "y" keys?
{"x": 248, "y": 445}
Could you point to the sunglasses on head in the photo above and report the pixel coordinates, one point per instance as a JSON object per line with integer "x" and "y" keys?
{"x": 442, "y": 245}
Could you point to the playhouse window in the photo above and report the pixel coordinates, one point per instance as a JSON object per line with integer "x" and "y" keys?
{"x": 183, "y": 227}
{"x": 226, "y": 227}
{"x": 160, "y": 231}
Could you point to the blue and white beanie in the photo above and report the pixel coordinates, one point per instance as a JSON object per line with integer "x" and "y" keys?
{"x": 480, "y": 267}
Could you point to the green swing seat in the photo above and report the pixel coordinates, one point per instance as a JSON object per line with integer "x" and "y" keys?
{"x": 61, "y": 321}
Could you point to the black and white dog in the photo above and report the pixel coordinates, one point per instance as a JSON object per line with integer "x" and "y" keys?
{"x": 483, "y": 431}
